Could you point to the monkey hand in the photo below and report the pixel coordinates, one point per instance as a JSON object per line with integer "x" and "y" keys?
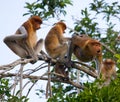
{"x": 68, "y": 63}
{"x": 35, "y": 58}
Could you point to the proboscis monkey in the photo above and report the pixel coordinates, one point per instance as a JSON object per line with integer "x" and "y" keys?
{"x": 55, "y": 43}
{"x": 108, "y": 71}
{"x": 24, "y": 42}
{"x": 86, "y": 49}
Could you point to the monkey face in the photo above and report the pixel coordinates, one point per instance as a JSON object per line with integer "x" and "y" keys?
{"x": 95, "y": 48}
{"x": 109, "y": 63}
{"x": 36, "y": 26}
{"x": 36, "y": 22}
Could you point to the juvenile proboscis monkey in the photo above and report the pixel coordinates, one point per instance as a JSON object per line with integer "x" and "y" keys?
{"x": 86, "y": 49}
{"x": 55, "y": 44}
{"x": 24, "y": 42}
{"x": 108, "y": 71}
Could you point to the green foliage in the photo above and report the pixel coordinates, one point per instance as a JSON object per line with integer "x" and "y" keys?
{"x": 16, "y": 98}
{"x": 40, "y": 92}
{"x": 118, "y": 57}
{"x": 47, "y": 8}
{"x": 110, "y": 40}
{"x": 4, "y": 89}
{"x": 86, "y": 25}
{"x": 93, "y": 93}
{"x": 5, "y": 94}
{"x": 60, "y": 91}
{"x": 109, "y": 11}
{"x": 105, "y": 94}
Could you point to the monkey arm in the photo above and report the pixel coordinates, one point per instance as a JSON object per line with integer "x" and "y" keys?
{"x": 98, "y": 62}
{"x": 15, "y": 37}
{"x": 23, "y": 30}
{"x": 70, "y": 50}
{"x": 71, "y": 46}
{"x": 67, "y": 39}
{"x": 23, "y": 35}
{"x": 29, "y": 48}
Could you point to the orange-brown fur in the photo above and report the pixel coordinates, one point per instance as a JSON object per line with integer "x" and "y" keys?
{"x": 31, "y": 25}
{"x": 108, "y": 70}
{"x": 55, "y": 41}
{"x": 86, "y": 48}
{"x": 56, "y": 46}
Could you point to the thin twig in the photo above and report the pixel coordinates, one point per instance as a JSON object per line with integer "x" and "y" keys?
{"x": 78, "y": 80}
{"x": 21, "y": 79}
{"x": 26, "y": 85}
{"x": 110, "y": 50}
{"x": 31, "y": 88}
{"x": 16, "y": 80}
{"x": 48, "y": 87}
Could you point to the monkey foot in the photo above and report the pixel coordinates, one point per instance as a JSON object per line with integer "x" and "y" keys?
{"x": 68, "y": 63}
{"x": 32, "y": 62}
{"x": 40, "y": 57}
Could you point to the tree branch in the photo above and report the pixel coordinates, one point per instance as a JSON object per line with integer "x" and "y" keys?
{"x": 89, "y": 72}
{"x": 42, "y": 78}
{"x": 110, "y": 50}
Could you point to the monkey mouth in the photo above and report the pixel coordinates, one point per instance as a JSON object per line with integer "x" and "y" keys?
{"x": 99, "y": 51}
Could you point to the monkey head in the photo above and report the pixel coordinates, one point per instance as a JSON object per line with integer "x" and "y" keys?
{"x": 36, "y": 22}
{"x": 109, "y": 63}
{"x": 86, "y": 48}
{"x": 62, "y": 25}
{"x": 94, "y": 47}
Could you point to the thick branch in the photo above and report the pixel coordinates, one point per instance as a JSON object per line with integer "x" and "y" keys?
{"x": 89, "y": 72}
{"x": 42, "y": 78}
{"x": 91, "y": 68}
{"x": 15, "y": 63}
{"x": 25, "y": 61}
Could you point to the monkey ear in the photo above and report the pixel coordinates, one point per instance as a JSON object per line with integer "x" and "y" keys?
{"x": 54, "y": 24}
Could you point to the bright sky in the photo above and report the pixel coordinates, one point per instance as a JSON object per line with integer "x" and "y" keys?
{"x": 11, "y": 18}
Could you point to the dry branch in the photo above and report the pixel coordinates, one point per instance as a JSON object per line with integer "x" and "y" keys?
{"x": 15, "y": 63}
{"x": 81, "y": 63}
{"x": 42, "y": 78}
{"x": 107, "y": 48}
{"x": 25, "y": 61}
{"x": 89, "y": 72}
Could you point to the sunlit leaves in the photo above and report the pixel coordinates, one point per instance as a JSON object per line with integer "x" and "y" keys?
{"x": 47, "y": 8}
